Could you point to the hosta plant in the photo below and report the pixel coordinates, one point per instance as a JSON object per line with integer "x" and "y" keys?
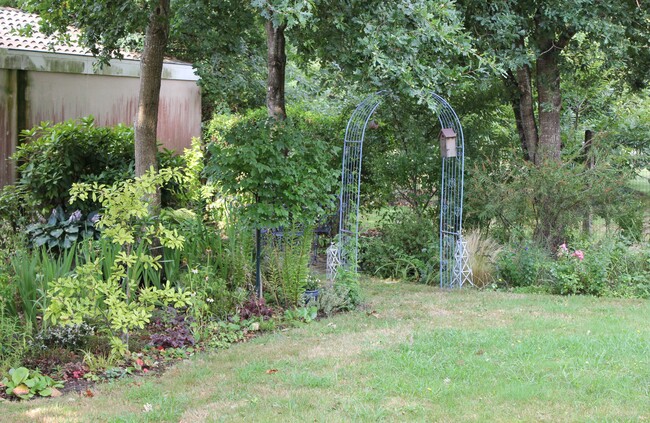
{"x": 24, "y": 384}
{"x": 61, "y": 231}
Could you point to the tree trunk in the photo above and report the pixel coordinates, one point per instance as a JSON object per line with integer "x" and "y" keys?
{"x": 151, "y": 65}
{"x": 589, "y": 164}
{"x": 549, "y": 104}
{"x": 524, "y": 106}
{"x": 277, "y": 60}
{"x": 549, "y": 232}
{"x": 512, "y": 88}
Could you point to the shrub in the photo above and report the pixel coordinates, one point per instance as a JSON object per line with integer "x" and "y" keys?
{"x": 607, "y": 267}
{"x": 405, "y": 247}
{"x": 522, "y": 264}
{"x": 108, "y": 295}
{"x": 280, "y": 171}
{"x": 54, "y": 156}
{"x": 114, "y": 308}
{"x": 551, "y": 200}
{"x": 602, "y": 268}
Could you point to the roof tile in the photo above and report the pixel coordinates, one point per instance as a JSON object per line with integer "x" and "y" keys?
{"x": 11, "y": 20}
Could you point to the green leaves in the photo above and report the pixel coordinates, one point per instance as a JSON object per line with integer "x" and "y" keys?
{"x": 106, "y": 27}
{"x": 19, "y": 375}
{"x": 87, "y": 296}
{"x": 279, "y": 171}
{"x": 285, "y": 12}
{"x": 409, "y": 47}
{"x": 109, "y": 294}
{"x": 126, "y": 214}
{"x": 24, "y": 384}
{"x": 61, "y": 232}
{"x": 55, "y": 156}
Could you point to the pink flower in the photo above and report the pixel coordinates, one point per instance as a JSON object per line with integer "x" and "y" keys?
{"x": 579, "y": 254}
{"x": 562, "y": 250}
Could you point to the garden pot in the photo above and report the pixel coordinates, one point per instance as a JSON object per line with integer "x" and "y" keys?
{"x": 311, "y": 295}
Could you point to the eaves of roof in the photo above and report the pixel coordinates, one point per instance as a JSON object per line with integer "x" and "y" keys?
{"x": 42, "y": 53}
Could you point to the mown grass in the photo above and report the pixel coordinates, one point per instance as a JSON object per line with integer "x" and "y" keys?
{"x": 642, "y": 182}
{"x": 416, "y": 353}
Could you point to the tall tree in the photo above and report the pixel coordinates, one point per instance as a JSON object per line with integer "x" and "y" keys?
{"x": 153, "y": 55}
{"x": 107, "y": 28}
{"x": 279, "y": 16}
{"x": 531, "y": 40}
{"x": 277, "y": 64}
{"x": 529, "y": 37}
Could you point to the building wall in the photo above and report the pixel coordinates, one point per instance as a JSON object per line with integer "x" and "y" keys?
{"x": 8, "y": 130}
{"x": 110, "y": 99}
{"x": 114, "y": 99}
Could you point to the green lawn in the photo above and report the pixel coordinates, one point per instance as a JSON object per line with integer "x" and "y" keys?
{"x": 642, "y": 182}
{"x": 415, "y": 354}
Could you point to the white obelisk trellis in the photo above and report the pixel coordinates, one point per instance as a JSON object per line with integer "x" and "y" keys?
{"x": 333, "y": 261}
{"x": 451, "y": 189}
{"x": 462, "y": 270}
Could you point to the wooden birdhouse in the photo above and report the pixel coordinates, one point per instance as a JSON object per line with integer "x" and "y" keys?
{"x": 447, "y": 143}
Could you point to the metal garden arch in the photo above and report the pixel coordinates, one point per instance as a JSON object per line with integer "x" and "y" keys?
{"x": 453, "y": 257}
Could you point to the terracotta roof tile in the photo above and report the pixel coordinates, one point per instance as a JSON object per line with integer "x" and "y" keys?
{"x": 12, "y": 20}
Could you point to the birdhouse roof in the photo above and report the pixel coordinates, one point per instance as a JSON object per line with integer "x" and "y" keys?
{"x": 447, "y": 133}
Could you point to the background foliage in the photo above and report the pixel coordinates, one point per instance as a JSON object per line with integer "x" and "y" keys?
{"x": 281, "y": 172}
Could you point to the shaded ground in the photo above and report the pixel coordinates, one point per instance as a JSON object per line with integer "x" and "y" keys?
{"x": 415, "y": 354}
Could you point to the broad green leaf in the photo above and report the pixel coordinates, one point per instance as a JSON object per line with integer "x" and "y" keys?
{"x": 19, "y": 375}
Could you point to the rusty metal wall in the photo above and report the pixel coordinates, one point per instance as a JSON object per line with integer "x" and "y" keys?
{"x": 7, "y": 125}
{"x": 114, "y": 99}
{"x": 111, "y": 99}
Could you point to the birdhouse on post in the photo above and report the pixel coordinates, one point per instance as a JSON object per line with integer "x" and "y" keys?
{"x": 447, "y": 143}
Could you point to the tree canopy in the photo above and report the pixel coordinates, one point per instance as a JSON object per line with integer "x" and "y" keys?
{"x": 530, "y": 39}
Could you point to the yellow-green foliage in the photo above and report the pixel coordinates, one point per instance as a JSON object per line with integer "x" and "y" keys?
{"x": 87, "y": 296}
{"x": 126, "y": 213}
{"x": 112, "y": 299}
